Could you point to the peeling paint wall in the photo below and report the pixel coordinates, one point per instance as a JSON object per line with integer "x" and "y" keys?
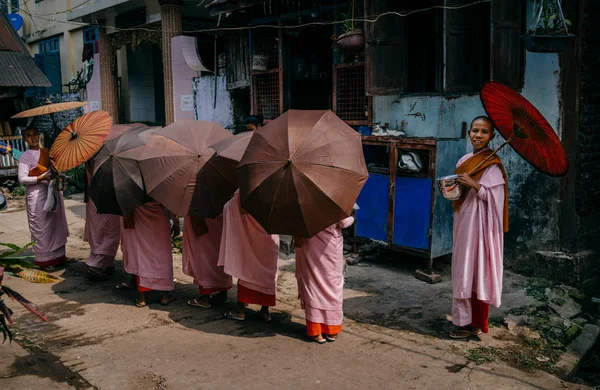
{"x": 533, "y": 197}
{"x": 204, "y": 95}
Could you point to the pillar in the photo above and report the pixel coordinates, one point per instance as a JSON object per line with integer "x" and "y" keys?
{"x": 170, "y": 14}
{"x": 108, "y": 77}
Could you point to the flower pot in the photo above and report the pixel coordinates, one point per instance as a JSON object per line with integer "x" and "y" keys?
{"x": 351, "y": 41}
{"x": 260, "y": 63}
{"x": 547, "y": 43}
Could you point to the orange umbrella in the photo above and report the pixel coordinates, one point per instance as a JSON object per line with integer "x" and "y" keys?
{"x": 79, "y": 141}
{"x": 49, "y": 108}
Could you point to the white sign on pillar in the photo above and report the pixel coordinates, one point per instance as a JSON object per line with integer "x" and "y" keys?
{"x": 94, "y": 105}
{"x": 187, "y": 102}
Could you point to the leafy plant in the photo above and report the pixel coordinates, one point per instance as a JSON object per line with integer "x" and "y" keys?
{"x": 20, "y": 267}
{"x": 550, "y": 19}
{"x": 18, "y": 191}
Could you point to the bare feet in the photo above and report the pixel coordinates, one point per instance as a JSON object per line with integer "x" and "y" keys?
{"x": 264, "y": 313}
{"x": 141, "y": 300}
{"x": 166, "y": 298}
{"x": 219, "y": 298}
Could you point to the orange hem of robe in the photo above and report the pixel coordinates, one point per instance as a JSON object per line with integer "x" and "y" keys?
{"x": 249, "y": 296}
{"x": 315, "y": 329}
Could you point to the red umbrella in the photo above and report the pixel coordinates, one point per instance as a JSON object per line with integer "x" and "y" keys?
{"x": 524, "y": 128}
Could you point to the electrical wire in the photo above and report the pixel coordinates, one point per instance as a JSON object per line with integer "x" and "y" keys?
{"x": 369, "y": 19}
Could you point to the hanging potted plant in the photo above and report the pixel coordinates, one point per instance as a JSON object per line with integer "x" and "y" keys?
{"x": 550, "y": 31}
{"x": 353, "y": 38}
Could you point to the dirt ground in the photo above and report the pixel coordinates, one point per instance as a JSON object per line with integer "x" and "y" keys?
{"x": 394, "y": 334}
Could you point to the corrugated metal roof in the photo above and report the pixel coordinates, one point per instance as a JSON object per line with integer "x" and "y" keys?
{"x": 17, "y": 66}
{"x": 19, "y": 70}
{"x": 9, "y": 40}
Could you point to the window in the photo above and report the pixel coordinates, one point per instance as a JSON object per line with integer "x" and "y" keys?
{"x": 38, "y": 1}
{"x": 49, "y": 46}
{"x": 14, "y": 6}
{"x": 90, "y": 36}
{"x": 443, "y": 50}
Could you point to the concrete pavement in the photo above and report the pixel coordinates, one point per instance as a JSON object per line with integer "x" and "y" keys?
{"x": 98, "y": 339}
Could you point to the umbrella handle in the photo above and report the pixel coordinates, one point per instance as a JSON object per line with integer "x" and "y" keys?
{"x": 491, "y": 155}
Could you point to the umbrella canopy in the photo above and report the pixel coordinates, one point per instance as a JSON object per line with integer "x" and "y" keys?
{"x": 117, "y": 130}
{"x": 172, "y": 165}
{"x": 302, "y": 172}
{"x": 49, "y": 108}
{"x": 117, "y": 186}
{"x": 228, "y": 154}
{"x": 524, "y": 128}
{"x": 80, "y": 140}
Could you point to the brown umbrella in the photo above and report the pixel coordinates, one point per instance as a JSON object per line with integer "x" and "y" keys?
{"x": 172, "y": 167}
{"x": 228, "y": 154}
{"x": 117, "y": 130}
{"x": 49, "y": 108}
{"x": 117, "y": 186}
{"x": 302, "y": 172}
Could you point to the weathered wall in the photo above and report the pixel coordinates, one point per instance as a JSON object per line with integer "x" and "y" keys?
{"x": 533, "y": 197}
{"x": 587, "y": 168}
{"x": 204, "y": 95}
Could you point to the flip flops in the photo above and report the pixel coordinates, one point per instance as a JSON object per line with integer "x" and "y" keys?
{"x": 316, "y": 340}
{"x": 98, "y": 274}
{"x": 330, "y": 338}
{"x": 195, "y": 303}
{"x": 231, "y": 316}
{"x": 464, "y": 333}
{"x": 125, "y": 286}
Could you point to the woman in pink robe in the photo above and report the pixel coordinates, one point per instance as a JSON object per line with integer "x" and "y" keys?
{"x": 48, "y": 229}
{"x": 147, "y": 251}
{"x": 479, "y": 226}
{"x": 200, "y": 258}
{"x": 250, "y": 254}
{"x": 103, "y": 233}
{"x": 320, "y": 275}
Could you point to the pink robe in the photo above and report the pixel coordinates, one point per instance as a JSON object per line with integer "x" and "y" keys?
{"x": 478, "y": 246}
{"x": 247, "y": 251}
{"x": 200, "y": 255}
{"x": 320, "y": 274}
{"x": 102, "y": 232}
{"x": 48, "y": 229}
{"x": 147, "y": 249}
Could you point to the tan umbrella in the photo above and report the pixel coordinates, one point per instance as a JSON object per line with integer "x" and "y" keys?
{"x": 49, "y": 108}
{"x": 302, "y": 172}
{"x": 172, "y": 164}
{"x": 80, "y": 140}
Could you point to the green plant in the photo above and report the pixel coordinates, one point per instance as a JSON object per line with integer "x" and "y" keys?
{"x": 77, "y": 176}
{"x": 349, "y": 24}
{"x": 550, "y": 20}
{"x": 18, "y": 190}
{"x": 18, "y": 266}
